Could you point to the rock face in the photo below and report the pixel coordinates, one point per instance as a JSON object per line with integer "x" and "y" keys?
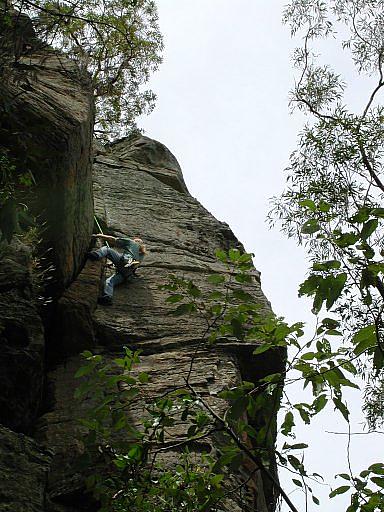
{"x": 46, "y": 118}
{"x": 138, "y": 195}
{"x": 24, "y": 467}
{"x": 46, "y": 121}
{"x": 21, "y": 341}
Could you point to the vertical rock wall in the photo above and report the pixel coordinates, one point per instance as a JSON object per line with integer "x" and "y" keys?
{"x": 46, "y": 122}
{"x": 46, "y": 118}
{"x": 139, "y": 191}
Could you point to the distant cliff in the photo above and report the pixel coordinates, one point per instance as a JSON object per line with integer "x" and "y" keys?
{"x": 138, "y": 189}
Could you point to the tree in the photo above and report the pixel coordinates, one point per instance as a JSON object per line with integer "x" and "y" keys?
{"x": 117, "y": 41}
{"x": 335, "y": 186}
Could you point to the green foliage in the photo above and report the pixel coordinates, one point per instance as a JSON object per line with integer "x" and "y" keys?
{"x": 138, "y": 480}
{"x": 12, "y": 184}
{"x": 120, "y": 458}
{"x": 118, "y": 42}
{"x": 333, "y": 200}
{"x": 364, "y": 498}
{"x": 333, "y": 205}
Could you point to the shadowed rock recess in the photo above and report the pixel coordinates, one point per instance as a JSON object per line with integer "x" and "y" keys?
{"x": 138, "y": 189}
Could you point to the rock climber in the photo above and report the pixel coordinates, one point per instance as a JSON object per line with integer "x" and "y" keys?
{"x": 125, "y": 262}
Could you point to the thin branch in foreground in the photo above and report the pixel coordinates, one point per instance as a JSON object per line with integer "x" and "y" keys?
{"x": 354, "y": 433}
{"x": 254, "y": 458}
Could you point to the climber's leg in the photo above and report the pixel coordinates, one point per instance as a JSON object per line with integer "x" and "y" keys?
{"x": 105, "y": 252}
{"x": 110, "y": 283}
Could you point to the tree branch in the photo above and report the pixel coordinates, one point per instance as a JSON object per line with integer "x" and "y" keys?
{"x": 254, "y": 458}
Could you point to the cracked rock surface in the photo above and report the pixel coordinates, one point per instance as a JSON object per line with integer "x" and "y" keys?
{"x": 139, "y": 191}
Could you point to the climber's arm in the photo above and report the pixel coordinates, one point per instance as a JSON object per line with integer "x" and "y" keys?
{"x": 108, "y": 238}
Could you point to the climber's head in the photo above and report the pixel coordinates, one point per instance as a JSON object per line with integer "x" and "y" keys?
{"x": 142, "y": 249}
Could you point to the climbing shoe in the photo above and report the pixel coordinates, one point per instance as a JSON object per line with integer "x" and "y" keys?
{"x": 105, "y": 300}
{"x": 93, "y": 255}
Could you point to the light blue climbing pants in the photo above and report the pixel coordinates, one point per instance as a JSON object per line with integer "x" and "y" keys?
{"x": 117, "y": 278}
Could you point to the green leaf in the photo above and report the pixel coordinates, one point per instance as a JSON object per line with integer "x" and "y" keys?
{"x": 368, "y": 251}
{"x": 378, "y": 212}
{"x": 368, "y": 278}
{"x": 216, "y": 279}
{"x": 288, "y": 424}
{"x": 243, "y": 278}
{"x": 326, "y": 265}
{"x": 304, "y": 414}
{"x": 308, "y": 356}
{"x": 120, "y": 362}
{"x": 87, "y": 354}
{"x": 310, "y": 285}
{"x": 308, "y": 203}
{"x": 330, "y": 323}
{"x": 177, "y": 297}
{"x": 324, "y": 207}
{"x": 221, "y": 255}
{"x": 367, "y": 332}
{"x": 239, "y": 407}
{"x": 297, "y": 482}
{"x": 243, "y": 296}
{"x": 378, "y": 359}
{"x": 310, "y": 226}
{"x": 297, "y": 446}
{"x": 194, "y": 291}
{"x": 361, "y": 216}
{"x": 368, "y": 228}
{"x": 143, "y": 377}
{"x": 346, "y": 239}
{"x": 364, "y": 339}
{"x": 344, "y": 475}
{"x": 347, "y": 365}
{"x": 184, "y": 309}
{"x": 339, "y": 490}
{"x": 234, "y": 255}
{"x": 377, "y": 468}
{"x": 273, "y": 377}
{"x": 334, "y": 286}
{"x": 246, "y": 257}
{"x": 216, "y": 479}
{"x": 84, "y": 370}
{"x": 378, "y": 481}
{"x": 319, "y": 403}
{"x": 342, "y": 408}
{"x": 262, "y": 348}
{"x": 136, "y": 452}
{"x": 295, "y": 463}
{"x": 315, "y": 500}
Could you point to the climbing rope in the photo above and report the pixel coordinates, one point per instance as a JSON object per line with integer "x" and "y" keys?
{"x": 100, "y": 230}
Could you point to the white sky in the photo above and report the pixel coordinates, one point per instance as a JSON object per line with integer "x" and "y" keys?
{"x": 223, "y": 111}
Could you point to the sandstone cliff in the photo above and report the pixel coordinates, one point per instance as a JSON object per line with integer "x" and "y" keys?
{"x": 138, "y": 189}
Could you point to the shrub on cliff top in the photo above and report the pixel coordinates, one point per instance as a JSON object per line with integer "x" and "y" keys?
{"x": 117, "y": 41}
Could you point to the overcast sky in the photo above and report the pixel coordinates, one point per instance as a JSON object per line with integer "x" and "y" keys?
{"x": 223, "y": 111}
